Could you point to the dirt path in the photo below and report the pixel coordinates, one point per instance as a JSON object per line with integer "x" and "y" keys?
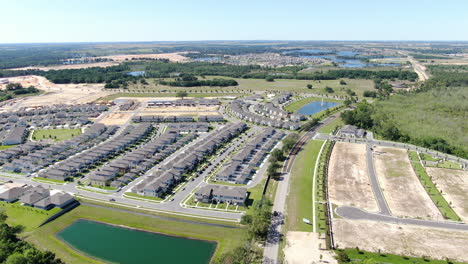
{"x": 303, "y": 248}
{"x": 349, "y": 182}
{"x": 403, "y": 240}
{"x": 404, "y": 193}
{"x": 454, "y": 186}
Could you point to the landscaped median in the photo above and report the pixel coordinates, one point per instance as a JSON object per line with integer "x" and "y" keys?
{"x": 48, "y": 181}
{"x": 431, "y": 189}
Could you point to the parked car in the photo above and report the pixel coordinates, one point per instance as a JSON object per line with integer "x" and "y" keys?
{"x": 111, "y": 200}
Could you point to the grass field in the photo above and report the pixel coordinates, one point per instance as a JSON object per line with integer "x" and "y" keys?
{"x": 294, "y": 107}
{"x": 40, "y": 179}
{"x": 44, "y": 237}
{"x": 447, "y": 165}
{"x": 169, "y": 94}
{"x": 330, "y": 127}
{"x": 27, "y": 217}
{"x": 279, "y": 85}
{"x": 431, "y": 189}
{"x": 299, "y": 200}
{"x": 7, "y": 147}
{"x": 356, "y": 254}
{"x": 56, "y": 134}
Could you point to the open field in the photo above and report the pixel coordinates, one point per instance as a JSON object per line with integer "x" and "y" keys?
{"x": 44, "y": 237}
{"x": 280, "y": 85}
{"x": 150, "y": 96}
{"x": 330, "y": 127}
{"x": 404, "y": 193}
{"x": 454, "y": 186}
{"x": 349, "y": 182}
{"x": 406, "y": 240}
{"x": 25, "y": 216}
{"x": 299, "y": 200}
{"x": 103, "y": 64}
{"x": 181, "y": 110}
{"x": 302, "y": 246}
{"x": 56, "y": 134}
{"x": 116, "y": 119}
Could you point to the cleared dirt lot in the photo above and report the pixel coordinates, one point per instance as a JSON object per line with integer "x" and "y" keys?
{"x": 454, "y": 186}
{"x": 303, "y": 248}
{"x": 401, "y": 239}
{"x": 404, "y": 193}
{"x": 56, "y": 93}
{"x": 116, "y": 119}
{"x": 349, "y": 182}
{"x": 181, "y": 110}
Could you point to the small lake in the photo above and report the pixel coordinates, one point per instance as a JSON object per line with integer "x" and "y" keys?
{"x": 315, "y": 107}
{"x": 115, "y": 244}
{"x": 137, "y": 73}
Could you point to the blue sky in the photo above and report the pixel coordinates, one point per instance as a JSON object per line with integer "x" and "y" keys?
{"x": 158, "y": 20}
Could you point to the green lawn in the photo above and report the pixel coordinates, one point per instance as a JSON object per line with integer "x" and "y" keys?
{"x": 431, "y": 189}
{"x": 169, "y": 94}
{"x": 47, "y": 180}
{"x": 299, "y": 200}
{"x": 44, "y": 237}
{"x": 56, "y": 134}
{"x": 279, "y": 85}
{"x": 142, "y": 196}
{"x": 294, "y": 107}
{"x": 25, "y": 216}
{"x": 7, "y": 147}
{"x": 427, "y": 157}
{"x": 330, "y": 127}
{"x": 320, "y": 195}
{"x": 447, "y": 165}
{"x": 354, "y": 254}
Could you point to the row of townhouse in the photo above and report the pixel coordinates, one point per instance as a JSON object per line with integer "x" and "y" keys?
{"x": 188, "y": 127}
{"x": 221, "y": 194}
{"x": 95, "y": 153}
{"x": 162, "y": 181}
{"x": 176, "y": 119}
{"x": 15, "y": 136}
{"x": 136, "y": 163}
{"x": 275, "y": 112}
{"x": 282, "y": 98}
{"x": 241, "y": 110}
{"x": 56, "y": 152}
{"x": 128, "y": 105}
{"x": 244, "y": 163}
{"x": 76, "y": 164}
{"x": 9, "y": 154}
{"x": 184, "y": 102}
{"x": 37, "y": 196}
{"x": 52, "y": 109}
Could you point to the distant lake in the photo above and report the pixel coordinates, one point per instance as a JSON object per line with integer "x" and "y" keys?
{"x": 127, "y": 246}
{"x": 315, "y": 107}
{"x": 209, "y": 59}
{"x": 137, "y": 73}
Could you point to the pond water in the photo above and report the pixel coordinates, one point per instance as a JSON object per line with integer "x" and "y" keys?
{"x": 137, "y": 73}
{"x": 315, "y": 107}
{"x": 115, "y": 244}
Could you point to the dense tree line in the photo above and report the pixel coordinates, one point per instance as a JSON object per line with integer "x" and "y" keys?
{"x": 214, "y": 82}
{"x": 15, "y": 251}
{"x": 14, "y": 89}
{"x": 376, "y": 119}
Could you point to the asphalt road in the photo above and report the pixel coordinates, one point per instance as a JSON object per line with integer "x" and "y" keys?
{"x": 270, "y": 253}
{"x": 358, "y": 214}
{"x": 384, "y": 209}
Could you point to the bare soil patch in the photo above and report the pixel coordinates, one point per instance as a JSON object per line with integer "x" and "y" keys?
{"x": 116, "y": 119}
{"x": 349, "y": 182}
{"x": 303, "y": 248}
{"x": 404, "y": 193}
{"x": 404, "y": 240}
{"x": 454, "y": 186}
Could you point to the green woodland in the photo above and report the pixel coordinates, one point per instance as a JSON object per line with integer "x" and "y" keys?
{"x": 434, "y": 116}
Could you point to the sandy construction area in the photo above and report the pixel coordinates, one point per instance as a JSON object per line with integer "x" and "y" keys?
{"x": 103, "y": 64}
{"x": 404, "y": 193}
{"x": 303, "y": 248}
{"x": 349, "y": 182}
{"x": 56, "y": 93}
{"x": 454, "y": 186}
{"x": 181, "y": 110}
{"x": 116, "y": 119}
{"x": 181, "y": 113}
{"x": 401, "y": 239}
{"x": 176, "y": 56}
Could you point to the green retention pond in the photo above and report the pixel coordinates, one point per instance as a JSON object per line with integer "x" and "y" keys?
{"x": 115, "y": 244}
